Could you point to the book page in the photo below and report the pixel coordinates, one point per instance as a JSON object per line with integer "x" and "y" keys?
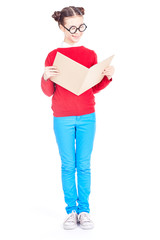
{"x": 94, "y": 75}
{"x": 72, "y": 74}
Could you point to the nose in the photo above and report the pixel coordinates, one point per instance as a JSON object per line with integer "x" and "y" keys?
{"x": 78, "y": 33}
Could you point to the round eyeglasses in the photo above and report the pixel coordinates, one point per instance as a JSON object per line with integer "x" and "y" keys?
{"x": 73, "y": 29}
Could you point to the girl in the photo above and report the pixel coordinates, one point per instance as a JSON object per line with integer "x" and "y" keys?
{"x": 74, "y": 117}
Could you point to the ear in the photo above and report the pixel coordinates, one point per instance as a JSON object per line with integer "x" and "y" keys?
{"x": 61, "y": 27}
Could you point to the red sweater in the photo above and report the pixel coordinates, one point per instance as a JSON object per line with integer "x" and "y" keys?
{"x": 64, "y": 102}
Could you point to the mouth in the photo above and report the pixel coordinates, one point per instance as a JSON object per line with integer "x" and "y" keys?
{"x": 76, "y": 37}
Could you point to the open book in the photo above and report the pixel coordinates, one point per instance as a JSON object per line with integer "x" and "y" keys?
{"x": 76, "y": 77}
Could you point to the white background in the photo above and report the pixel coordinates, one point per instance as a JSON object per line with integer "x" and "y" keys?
{"x": 125, "y": 161}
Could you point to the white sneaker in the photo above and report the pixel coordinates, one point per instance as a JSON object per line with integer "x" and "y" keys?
{"x": 71, "y": 221}
{"x": 85, "y": 221}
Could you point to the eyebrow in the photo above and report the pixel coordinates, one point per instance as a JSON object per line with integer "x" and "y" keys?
{"x": 75, "y": 25}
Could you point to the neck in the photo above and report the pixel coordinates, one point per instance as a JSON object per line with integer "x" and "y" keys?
{"x": 69, "y": 42}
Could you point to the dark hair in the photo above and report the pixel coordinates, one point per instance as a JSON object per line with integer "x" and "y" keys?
{"x": 67, "y": 12}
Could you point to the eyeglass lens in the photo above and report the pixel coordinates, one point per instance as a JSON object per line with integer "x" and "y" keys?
{"x": 81, "y": 28}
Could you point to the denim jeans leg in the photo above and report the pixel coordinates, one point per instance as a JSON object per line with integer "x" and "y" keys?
{"x": 85, "y": 133}
{"x": 64, "y": 128}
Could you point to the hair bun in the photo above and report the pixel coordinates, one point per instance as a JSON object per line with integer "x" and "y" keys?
{"x": 56, "y": 15}
{"x": 81, "y": 9}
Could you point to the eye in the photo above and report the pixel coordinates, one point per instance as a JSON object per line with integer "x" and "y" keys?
{"x": 82, "y": 27}
{"x": 73, "y": 29}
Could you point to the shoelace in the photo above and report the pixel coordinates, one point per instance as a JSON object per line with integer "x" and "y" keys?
{"x": 71, "y": 217}
{"x": 84, "y": 217}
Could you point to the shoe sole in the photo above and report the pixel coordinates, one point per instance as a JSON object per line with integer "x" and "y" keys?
{"x": 69, "y": 228}
{"x": 86, "y": 227}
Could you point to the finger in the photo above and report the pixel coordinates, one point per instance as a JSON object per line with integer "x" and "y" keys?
{"x": 53, "y": 74}
{"x": 109, "y": 68}
{"x": 107, "y": 72}
{"x": 53, "y": 71}
{"x": 109, "y": 76}
{"x": 55, "y": 67}
{"x": 48, "y": 68}
{"x": 51, "y": 68}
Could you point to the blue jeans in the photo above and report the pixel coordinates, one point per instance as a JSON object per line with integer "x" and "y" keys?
{"x": 75, "y": 137}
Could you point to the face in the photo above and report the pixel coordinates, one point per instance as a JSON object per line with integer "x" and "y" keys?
{"x": 68, "y": 22}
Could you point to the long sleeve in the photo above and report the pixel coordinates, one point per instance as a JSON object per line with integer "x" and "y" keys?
{"x": 104, "y": 82}
{"x": 47, "y": 86}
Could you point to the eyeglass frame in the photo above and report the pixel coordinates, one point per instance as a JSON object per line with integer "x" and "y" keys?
{"x": 76, "y": 28}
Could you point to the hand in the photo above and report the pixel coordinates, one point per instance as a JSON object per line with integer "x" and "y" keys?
{"x": 108, "y": 71}
{"x": 50, "y": 71}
